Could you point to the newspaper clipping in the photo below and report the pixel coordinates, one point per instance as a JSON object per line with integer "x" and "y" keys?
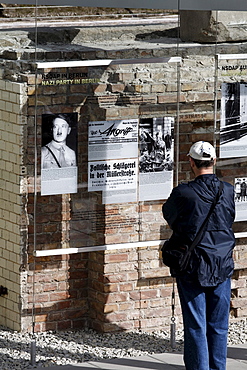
{"x": 112, "y": 139}
{"x": 113, "y": 160}
{"x": 117, "y": 179}
{"x": 121, "y": 171}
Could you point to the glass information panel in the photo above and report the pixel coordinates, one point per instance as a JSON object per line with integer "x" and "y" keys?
{"x": 107, "y": 148}
{"x": 126, "y": 124}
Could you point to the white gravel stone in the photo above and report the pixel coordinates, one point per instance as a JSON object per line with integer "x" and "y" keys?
{"x": 72, "y": 347}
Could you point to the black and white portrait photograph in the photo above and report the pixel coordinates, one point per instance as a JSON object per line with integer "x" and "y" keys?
{"x": 59, "y": 141}
{"x": 59, "y": 153}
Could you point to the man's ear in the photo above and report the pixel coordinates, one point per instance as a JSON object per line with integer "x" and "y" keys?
{"x": 192, "y": 163}
{"x": 69, "y": 130}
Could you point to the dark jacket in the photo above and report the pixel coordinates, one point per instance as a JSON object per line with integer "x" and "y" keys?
{"x": 185, "y": 211}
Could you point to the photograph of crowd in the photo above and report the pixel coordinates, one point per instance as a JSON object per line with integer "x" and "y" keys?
{"x": 240, "y": 185}
{"x": 241, "y": 190}
{"x": 156, "y": 144}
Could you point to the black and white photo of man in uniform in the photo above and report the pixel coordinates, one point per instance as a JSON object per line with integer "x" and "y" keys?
{"x": 56, "y": 153}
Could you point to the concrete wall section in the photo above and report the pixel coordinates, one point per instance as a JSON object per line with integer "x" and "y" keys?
{"x": 158, "y": 4}
{"x": 212, "y": 26}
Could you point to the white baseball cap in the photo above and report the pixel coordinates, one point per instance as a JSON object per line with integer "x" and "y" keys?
{"x": 203, "y": 151}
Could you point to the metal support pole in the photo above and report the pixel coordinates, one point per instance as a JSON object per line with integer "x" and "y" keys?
{"x": 173, "y": 323}
{"x": 33, "y": 353}
{"x": 33, "y": 342}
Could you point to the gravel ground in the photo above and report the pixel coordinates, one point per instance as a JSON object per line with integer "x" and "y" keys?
{"x": 73, "y": 347}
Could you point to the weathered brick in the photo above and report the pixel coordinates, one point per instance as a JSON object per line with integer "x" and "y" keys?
{"x": 117, "y": 297}
{"x": 149, "y": 294}
{"x": 116, "y": 88}
{"x": 239, "y": 302}
{"x": 115, "y": 258}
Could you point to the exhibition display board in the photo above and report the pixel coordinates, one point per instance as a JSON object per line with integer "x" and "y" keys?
{"x": 123, "y": 157}
{"x": 125, "y": 139}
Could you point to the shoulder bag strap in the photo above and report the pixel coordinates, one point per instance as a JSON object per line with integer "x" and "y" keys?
{"x": 53, "y": 156}
{"x": 199, "y": 234}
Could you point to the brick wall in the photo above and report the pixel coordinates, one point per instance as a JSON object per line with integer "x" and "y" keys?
{"x": 112, "y": 289}
{"x": 12, "y": 217}
{"x": 132, "y": 292}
